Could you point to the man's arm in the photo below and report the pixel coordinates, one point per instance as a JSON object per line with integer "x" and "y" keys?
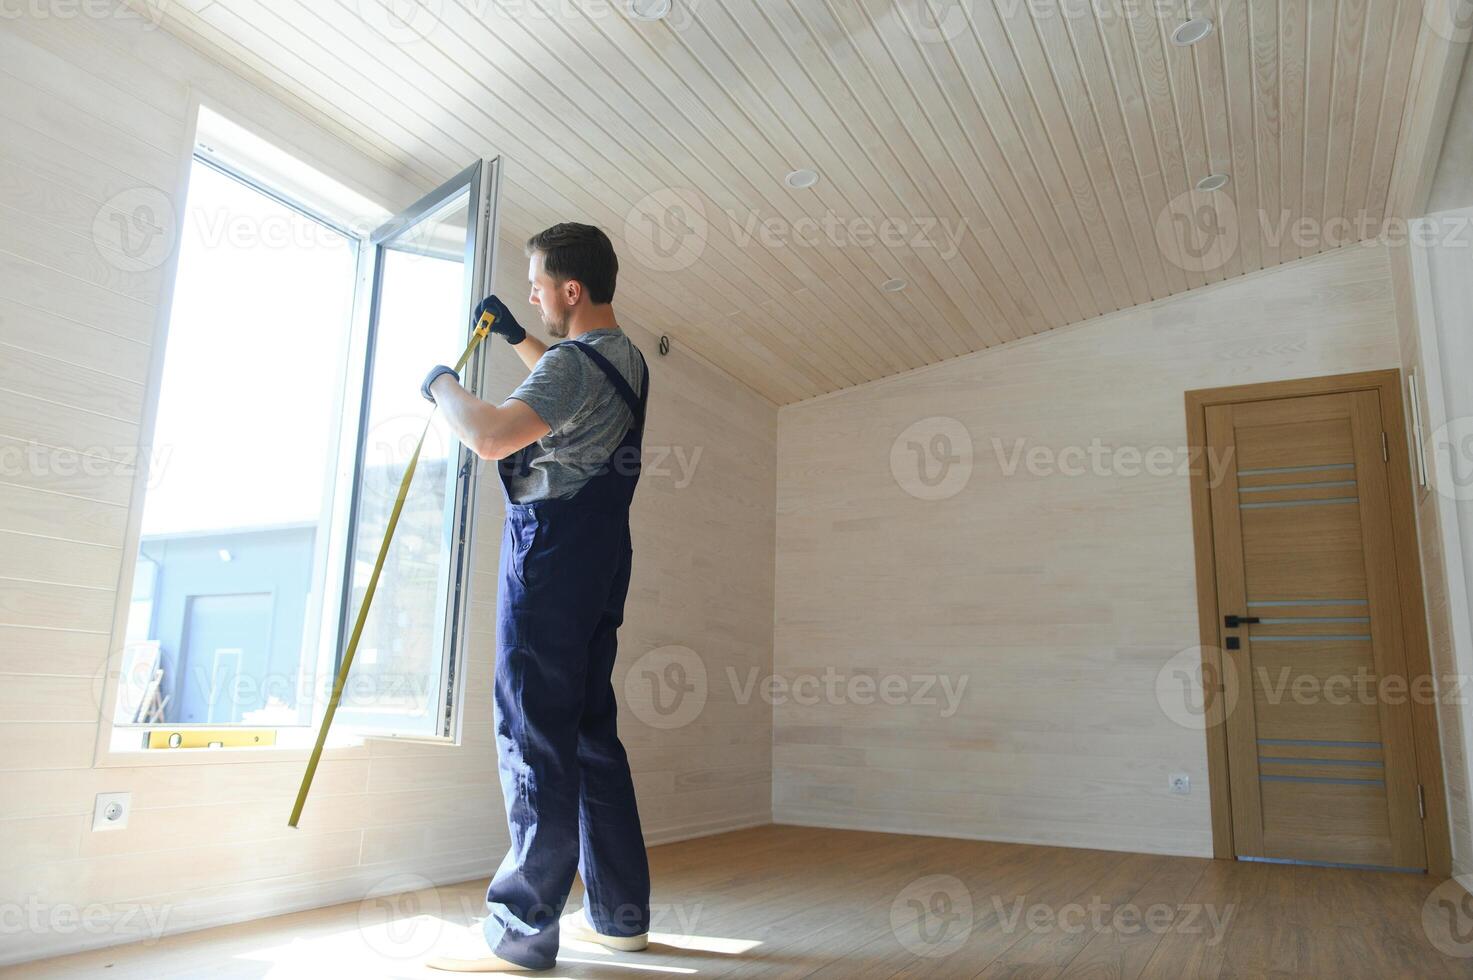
{"x": 530, "y": 350}
{"x": 489, "y": 431}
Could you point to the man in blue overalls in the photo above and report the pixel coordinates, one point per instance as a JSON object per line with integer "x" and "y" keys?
{"x": 568, "y": 444}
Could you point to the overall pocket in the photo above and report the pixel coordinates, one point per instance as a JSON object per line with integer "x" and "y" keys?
{"x": 521, "y": 538}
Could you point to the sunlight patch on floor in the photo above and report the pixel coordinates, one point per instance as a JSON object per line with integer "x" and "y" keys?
{"x": 705, "y": 944}
{"x": 632, "y": 964}
{"x": 399, "y": 947}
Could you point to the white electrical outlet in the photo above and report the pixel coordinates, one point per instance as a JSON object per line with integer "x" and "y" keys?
{"x": 111, "y": 812}
{"x": 1179, "y": 782}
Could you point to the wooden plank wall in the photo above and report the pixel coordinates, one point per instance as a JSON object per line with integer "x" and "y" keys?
{"x": 95, "y": 107}
{"x": 1451, "y": 188}
{"x": 1452, "y": 183}
{"x": 1056, "y": 598}
{"x": 1454, "y": 725}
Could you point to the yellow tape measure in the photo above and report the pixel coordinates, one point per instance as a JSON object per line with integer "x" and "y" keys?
{"x": 483, "y": 328}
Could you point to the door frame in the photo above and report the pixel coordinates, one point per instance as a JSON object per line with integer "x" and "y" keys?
{"x": 1387, "y": 384}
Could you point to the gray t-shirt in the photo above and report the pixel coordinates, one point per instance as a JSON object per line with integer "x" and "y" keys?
{"x": 587, "y": 415}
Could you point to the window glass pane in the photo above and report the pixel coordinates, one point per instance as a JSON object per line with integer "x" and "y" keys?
{"x": 421, "y": 321}
{"x": 227, "y": 594}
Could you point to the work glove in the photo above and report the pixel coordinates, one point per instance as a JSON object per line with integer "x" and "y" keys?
{"x": 436, "y": 372}
{"x": 505, "y": 324}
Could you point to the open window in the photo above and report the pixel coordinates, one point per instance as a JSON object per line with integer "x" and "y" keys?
{"x": 287, "y": 408}
{"x": 431, "y": 266}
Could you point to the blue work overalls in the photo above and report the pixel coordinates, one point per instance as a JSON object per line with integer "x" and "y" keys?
{"x": 564, "y": 774}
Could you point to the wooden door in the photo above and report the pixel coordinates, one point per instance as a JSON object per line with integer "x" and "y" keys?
{"x": 1321, "y": 760}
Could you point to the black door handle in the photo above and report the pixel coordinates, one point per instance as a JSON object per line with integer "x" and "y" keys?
{"x": 1233, "y": 622}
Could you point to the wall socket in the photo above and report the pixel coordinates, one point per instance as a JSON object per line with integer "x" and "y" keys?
{"x": 1179, "y": 782}
{"x": 111, "y": 811}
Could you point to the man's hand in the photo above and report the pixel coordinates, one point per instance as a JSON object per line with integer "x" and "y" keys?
{"x": 437, "y": 373}
{"x": 505, "y": 324}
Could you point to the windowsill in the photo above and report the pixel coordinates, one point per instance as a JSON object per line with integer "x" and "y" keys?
{"x": 127, "y": 747}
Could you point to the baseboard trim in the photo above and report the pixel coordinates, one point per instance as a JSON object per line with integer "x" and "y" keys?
{"x": 798, "y": 817}
{"x": 708, "y": 828}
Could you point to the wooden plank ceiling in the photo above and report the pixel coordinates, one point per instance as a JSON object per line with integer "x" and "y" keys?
{"x": 1020, "y": 164}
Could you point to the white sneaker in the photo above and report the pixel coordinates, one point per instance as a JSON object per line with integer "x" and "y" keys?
{"x": 576, "y": 925}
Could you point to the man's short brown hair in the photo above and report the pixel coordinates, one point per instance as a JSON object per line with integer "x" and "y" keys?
{"x": 582, "y": 252}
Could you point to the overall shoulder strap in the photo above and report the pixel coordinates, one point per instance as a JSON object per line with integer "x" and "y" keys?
{"x": 636, "y": 404}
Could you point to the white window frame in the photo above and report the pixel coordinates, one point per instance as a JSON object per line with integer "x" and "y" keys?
{"x": 364, "y": 220}
{"x": 483, "y": 178}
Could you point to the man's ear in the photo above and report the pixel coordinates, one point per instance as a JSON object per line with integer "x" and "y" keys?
{"x": 572, "y": 292}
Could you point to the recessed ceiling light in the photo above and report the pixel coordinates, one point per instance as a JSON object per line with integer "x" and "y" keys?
{"x": 893, "y": 285}
{"x": 648, "y": 9}
{"x": 1191, "y": 32}
{"x": 1213, "y": 182}
{"x": 801, "y": 179}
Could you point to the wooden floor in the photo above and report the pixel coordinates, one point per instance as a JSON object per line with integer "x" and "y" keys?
{"x": 797, "y": 902}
